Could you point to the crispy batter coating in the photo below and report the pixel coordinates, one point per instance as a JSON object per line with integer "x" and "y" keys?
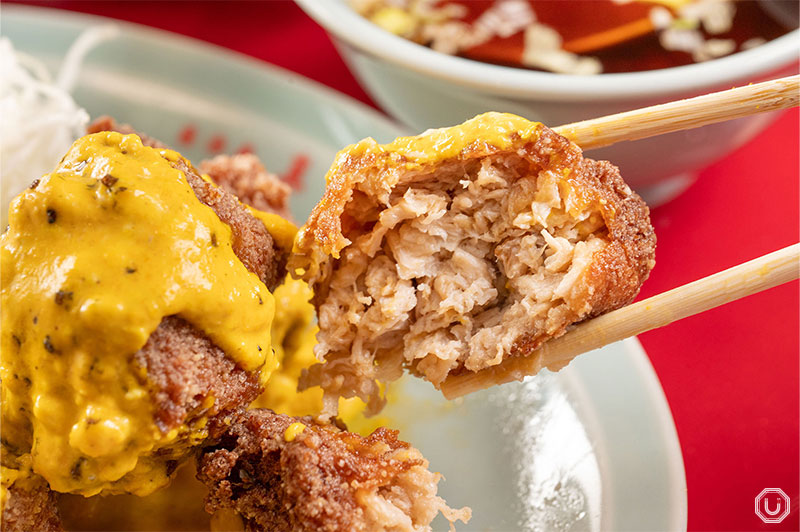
{"x": 252, "y": 243}
{"x": 186, "y": 369}
{"x": 450, "y": 251}
{"x": 31, "y": 506}
{"x": 278, "y": 476}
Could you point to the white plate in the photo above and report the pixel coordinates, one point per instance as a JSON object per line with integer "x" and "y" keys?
{"x": 593, "y": 447}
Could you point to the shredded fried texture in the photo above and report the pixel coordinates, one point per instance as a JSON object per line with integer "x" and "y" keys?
{"x": 450, "y": 264}
{"x": 324, "y": 479}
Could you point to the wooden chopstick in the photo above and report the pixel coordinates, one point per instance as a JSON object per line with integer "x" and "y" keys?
{"x": 745, "y": 279}
{"x": 782, "y": 93}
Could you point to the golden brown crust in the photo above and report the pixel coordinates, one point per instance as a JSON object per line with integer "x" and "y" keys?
{"x": 308, "y": 484}
{"x": 592, "y": 182}
{"x": 252, "y": 243}
{"x": 192, "y": 377}
{"x": 616, "y": 272}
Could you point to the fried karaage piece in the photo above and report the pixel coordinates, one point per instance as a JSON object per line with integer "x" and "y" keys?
{"x": 244, "y": 176}
{"x": 183, "y": 363}
{"x": 450, "y": 251}
{"x": 283, "y": 473}
{"x": 116, "y": 348}
{"x": 239, "y": 179}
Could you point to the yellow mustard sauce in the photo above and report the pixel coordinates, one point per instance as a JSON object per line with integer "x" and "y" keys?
{"x": 178, "y": 506}
{"x": 95, "y": 256}
{"x": 293, "y": 430}
{"x": 281, "y": 230}
{"x": 500, "y": 130}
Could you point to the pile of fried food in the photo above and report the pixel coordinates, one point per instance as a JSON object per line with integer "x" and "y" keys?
{"x": 158, "y": 319}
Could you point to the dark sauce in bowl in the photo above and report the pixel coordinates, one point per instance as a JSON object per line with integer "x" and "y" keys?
{"x": 579, "y": 18}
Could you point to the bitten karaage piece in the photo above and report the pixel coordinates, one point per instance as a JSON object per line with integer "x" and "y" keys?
{"x": 281, "y": 473}
{"x": 452, "y": 250}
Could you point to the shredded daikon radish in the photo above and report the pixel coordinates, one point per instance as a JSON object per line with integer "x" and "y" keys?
{"x": 40, "y": 118}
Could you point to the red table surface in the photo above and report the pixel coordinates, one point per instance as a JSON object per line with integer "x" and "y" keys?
{"x": 731, "y": 374}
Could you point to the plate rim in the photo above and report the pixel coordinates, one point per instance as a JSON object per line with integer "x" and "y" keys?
{"x": 194, "y": 44}
{"x": 676, "y": 466}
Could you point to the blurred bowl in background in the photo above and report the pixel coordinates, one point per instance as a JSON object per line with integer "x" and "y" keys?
{"x": 424, "y": 88}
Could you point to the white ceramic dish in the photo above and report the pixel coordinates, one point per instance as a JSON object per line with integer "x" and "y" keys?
{"x": 426, "y": 89}
{"x": 593, "y": 447}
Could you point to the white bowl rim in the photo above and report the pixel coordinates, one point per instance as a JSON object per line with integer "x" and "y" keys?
{"x": 347, "y": 25}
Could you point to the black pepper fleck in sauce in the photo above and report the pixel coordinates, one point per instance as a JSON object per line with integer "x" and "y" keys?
{"x": 76, "y": 472}
{"x": 51, "y": 216}
{"x": 109, "y": 181}
{"x": 63, "y": 296}
{"x": 48, "y": 345}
